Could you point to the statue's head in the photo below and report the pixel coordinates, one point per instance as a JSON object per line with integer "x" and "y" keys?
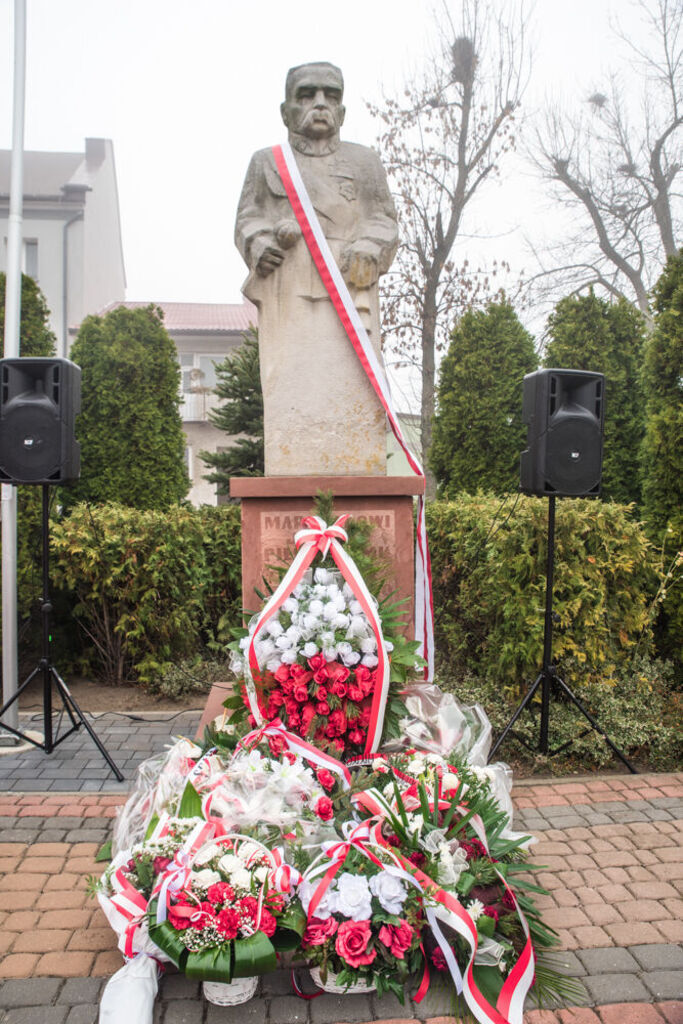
{"x": 313, "y": 100}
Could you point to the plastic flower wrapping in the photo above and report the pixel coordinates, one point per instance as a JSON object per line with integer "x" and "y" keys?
{"x": 399, "y": 867}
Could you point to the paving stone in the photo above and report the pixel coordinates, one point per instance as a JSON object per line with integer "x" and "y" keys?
{"x": 616, "y": 988}
{"x": 80, "y": 990}
{"x": 251, "y": 1012}
{"x": 439, "y": 1001}
{"x": 608, "y": 961}
{"x": 84, "y": 1013}
{"x": 290, "y": 1010}
{"x": 330, "y": 1009}
{"x": 177, "y": 986}
{"x": 389, "y": 1007}
{"x": 184, "y": 1011}
{"x": 277, "y": 983}
{"x": 665, "y": 984}
{"x": 655, "y": 957}
{"x": 29, "y": 992}
{"x": 37, "y": 1015}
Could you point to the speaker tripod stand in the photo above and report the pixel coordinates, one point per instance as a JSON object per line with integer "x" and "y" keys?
{"x": 548, "y": 678}
{"x": 51, "y": 677}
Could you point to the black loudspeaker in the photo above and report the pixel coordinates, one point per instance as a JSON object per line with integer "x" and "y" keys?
{"x": 39, "y": 401}
{"x": 564, "y": 411}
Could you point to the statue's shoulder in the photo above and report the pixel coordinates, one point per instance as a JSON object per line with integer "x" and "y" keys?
{"x": 362, "y": 156}
{"x": 263, "y": 158}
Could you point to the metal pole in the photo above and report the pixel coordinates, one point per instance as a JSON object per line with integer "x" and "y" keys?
{"x": 547, "y": 670}
{"x": 12, "y": 321}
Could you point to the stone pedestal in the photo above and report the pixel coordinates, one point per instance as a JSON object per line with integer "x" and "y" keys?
{"x": 273, "y": 507}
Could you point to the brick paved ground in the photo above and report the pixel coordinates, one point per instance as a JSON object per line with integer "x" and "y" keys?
{"x": 611, "y": 847}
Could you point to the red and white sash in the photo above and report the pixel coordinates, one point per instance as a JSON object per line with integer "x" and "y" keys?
{"x": 348, "y": 314}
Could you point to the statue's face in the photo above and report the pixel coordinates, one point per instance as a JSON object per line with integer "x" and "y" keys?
{"x": 314, "y": 105}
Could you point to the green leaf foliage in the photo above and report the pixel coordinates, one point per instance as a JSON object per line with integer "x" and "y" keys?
{"x": 478, "y": 429}
{"x": 148, "y": 588}
{"x": 662, "y": 451}
{"x": 35, "y": 335}
{"x": 239, "y": 385}
{"x": 489, "y": 588}
{"x": 129, "y": 428}
{"x": 589, "y": 333}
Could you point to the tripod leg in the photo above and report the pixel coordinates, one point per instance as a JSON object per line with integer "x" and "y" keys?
{"x": 595, "y": 724}
{"x": 66, "y": 696}
{"x": 529, "y": 696}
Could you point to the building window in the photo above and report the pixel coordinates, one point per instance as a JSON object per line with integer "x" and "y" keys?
{"x": 198, "y": 372}
{"x": 188, "y": 461}
{"x": 30, "y": 258}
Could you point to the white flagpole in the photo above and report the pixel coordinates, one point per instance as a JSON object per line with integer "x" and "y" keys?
{"x": 12, "y": 320}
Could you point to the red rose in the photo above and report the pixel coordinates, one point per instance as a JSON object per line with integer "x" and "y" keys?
{"x": 283, "y": 673}
{"x": 439, "y": 960}
{"x": 300, "y": 693}
{"x": 276, "y": 745}
{"x": 397, "y": 938}
{"x": 352, "y": 943}
{"x": 228, "y": 922}
{"x": 321, "y": 693}
{"x": 220, "y": 892}
{"x": 324, "y": 808}
{"x": 289, "y": 756}
{"x": 322, "y": 707}
{"x": 355, "y": 736}
{"x": 336, "y": 672}
{"x": 339, "y": 689}
{"x": 330, "y": 732}
{"x": 267, "y": 924}
{"x": 294, "y": 720}
{"x": 307, "y": 716}
{"x": 356, "y": 693}
{"x": 318, "y": 931}
{"x": 287, "y": 687}
{"x": 368, "y": 685}
{"x": 417, "y": 858}
{"x": 365, "y": 715}
{"x": 277, "y": 698}
{"x": 362, "y": 674}
{"x": 326, "y": 779}
{"x": 301, "y": 674}
{"x": 320, "y": 677}
{"x": 338, "y": 722}
{"x": 291, "y": 706}
{"x": 316, "y": 662}
{"x": 160, "y": 864}
{"x": 339, "y": 744}
{"x": 251, "y": 720}
{"x": 271, "y": 710}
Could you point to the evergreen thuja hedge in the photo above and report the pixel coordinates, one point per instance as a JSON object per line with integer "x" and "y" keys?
{"x": 489, "y": 588}
{"x": 147, "y": 588}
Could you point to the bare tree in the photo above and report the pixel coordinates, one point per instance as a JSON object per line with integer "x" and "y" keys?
{"x": 616, "y": 163}
{"x": 441, "y": 142}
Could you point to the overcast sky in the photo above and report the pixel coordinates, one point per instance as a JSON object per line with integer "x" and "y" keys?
{"x": 188, "y": 90}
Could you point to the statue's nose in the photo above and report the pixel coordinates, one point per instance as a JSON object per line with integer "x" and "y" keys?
{"x": 321, "y": 98}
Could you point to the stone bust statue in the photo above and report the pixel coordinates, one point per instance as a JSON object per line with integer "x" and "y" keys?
{"x": 321, "y": 416}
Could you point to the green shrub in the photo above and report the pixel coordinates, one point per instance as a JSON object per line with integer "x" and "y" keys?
{"x": 148, "y": 588}
{"x": 640, "y": 713}
{"x": 489, "y": 588}
{"x": 191, "y": 675}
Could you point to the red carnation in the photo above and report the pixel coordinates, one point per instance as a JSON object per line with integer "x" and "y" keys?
{"x": 356, "y": 736}
{"x": 492, "y": 912}
{"x": 365, "y": 716}
{"x": 352, "y": 943}
{"x": 324, "y": 809}
{"x": 417, "y": 858}
{"x": 160, "y": 864}
{"x": 179, "y": 915}
{"x": 326, "y": 779}
{"x": 248, "y": 907}
{"x": 508, "y": 900}
{"x": 294, "y": 720}
{"x": 439, "y": 960}
{"x": 267, "y": 924}
{"x": 220, "y": 892}
{"x": 289, "y": 756}
{"x": 228, "y": 922}
{"x": 339, "y": 744}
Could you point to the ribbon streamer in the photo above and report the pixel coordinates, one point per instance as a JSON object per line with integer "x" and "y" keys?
{"x": 317, "y": 537}
{"x": 337, "y": 289}
{"x": 297, "y": 746}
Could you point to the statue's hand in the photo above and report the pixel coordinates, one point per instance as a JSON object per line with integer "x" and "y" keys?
{"x": 359, "y": 264}
{"x": 265, "y": 256}
{"x": 287, "y": 232}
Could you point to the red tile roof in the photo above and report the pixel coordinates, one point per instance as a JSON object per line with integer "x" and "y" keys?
{"x": 199, "y": 317}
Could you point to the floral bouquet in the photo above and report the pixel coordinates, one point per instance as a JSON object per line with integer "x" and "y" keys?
{"x": 364, "y": 918}
{"x": 441, "y": 818}
{"x": 319, "y": 663}
{"x": 223, "y": 915}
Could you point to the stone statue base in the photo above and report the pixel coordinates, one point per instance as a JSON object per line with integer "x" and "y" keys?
{"x": 272, "y": 510}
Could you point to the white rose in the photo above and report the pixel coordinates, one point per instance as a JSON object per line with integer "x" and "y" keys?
{"x": 370, "y": 660}
{"x": 340, "y": 621}
{"x": 320, "y": 591}
{"x": 352, "y": 897}
{"x": 329, "y": 612}
{"x": 323, "y": 576}
{"x": 351, "y": 659}
{"x": 312, "y": 622}
{"x": 275, "y": 628}
{"x": 293, "y": 633}
{"x": 283, "y": 642}
{"x": 265, "y": 649}
{"x": 315, "y": 608}
{"x": 310, "y": 649}
{"x": 273, "y": 664}
{"x": 205, "y": 877}
{"x": 368, "y": 645}
{"x": 390, "y": 892}
{"x": 291, "y": 605}
{"x": 306, "y": 891}
{"x": 356, "y": 608}
{"x": 288, "y": 657}
{"x": 358, "y": 626}
{"x": 344, "y": 649}
{"x": 330, "y": 653}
